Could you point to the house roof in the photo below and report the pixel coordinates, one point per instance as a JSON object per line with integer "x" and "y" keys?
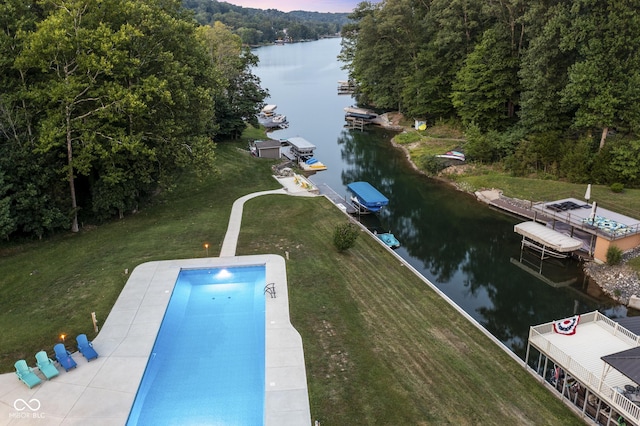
{"x": 627, "y": 362}
{"x": 270, "y": 143}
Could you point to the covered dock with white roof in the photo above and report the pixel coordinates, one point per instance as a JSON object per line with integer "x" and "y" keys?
{"x": 546, "y": 240}
{"x": 301, "y": 148}
{"x": 581, "y": 367}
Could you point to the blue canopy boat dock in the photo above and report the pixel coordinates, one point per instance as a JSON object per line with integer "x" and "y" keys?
{"x": 366, "y": 197}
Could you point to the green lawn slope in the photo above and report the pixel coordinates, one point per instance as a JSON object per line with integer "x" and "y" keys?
{"x": 380, "y": 346}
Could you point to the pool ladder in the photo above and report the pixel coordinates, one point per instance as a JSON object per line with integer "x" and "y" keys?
{"x": 271, "y": 289}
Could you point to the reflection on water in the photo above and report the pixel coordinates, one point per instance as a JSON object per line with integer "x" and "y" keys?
{"x": 460, "y": 245}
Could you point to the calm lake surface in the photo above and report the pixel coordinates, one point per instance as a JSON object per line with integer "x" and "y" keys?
{"x": 468, "y": 250}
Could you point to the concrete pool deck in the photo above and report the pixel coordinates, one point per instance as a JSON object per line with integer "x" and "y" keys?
{"x": 101, "y": 392}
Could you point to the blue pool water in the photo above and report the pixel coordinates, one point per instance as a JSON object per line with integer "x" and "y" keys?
{"x": 207, "y": 363}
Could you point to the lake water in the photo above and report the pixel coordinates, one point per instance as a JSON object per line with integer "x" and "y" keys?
{"x": 465, "y": 248}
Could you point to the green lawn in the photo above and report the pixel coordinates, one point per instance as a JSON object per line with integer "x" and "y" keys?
{"x": 444, "y": 137}
{"x": 626, "y": 202}
{"x": 380, "y": 346}
{"x": 51, "y": 287}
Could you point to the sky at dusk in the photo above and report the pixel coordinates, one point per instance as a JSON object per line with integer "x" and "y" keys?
{"x": 307, "y": 5}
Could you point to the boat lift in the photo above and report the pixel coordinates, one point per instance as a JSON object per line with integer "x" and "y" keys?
{"x": 545, "y": 243}
{"x": 548, "y": 242}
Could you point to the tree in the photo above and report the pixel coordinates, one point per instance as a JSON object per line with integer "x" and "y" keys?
{"x": 577, "y": 160}
{"x": 382, "y": 44}
{"x": 7, "y": 220}
{"x": 31, "y": 189}
{"x": 625, "y": 161}
{"x": 604, "y": 81}
{"x": 76, "y": 54}
{"x": 544, "y": 71}
{"x": 240, "y": 96}
{"x": 486, "y": 87}
{"x": 480, "y": 147}
{"x": 449, "y": 32}
{"x": 127, "y": 93}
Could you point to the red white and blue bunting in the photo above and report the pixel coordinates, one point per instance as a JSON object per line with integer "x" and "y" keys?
{"x": 567, "y": 326}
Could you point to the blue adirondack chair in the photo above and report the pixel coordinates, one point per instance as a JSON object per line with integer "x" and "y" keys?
{"x": 46, "y": 366}
{"x": 64, "y": 357}
{"x": 26, "y": 374}
{"x": 86, "y": 348}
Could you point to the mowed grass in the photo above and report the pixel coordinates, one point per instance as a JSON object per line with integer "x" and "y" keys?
{"x": 626, "y": 202}
{"x": 50, "y": 287}
{"x": 380, "y": 346}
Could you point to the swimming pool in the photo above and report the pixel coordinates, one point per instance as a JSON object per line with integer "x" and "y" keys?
{"x": 207, "y": 365}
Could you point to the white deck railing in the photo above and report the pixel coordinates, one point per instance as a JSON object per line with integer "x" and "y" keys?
{"x": 606, "y": 393}
{"x": 577, "y": 221}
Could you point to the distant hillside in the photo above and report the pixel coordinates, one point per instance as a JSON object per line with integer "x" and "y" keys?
{"x": 257, "y": 26}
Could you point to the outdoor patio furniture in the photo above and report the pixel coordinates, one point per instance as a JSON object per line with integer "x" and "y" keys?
{"x": 86, "y": 348}
{"x": 46, "y": 366}
{"x": 64, "y": 357}
{"x": 26, "y": 374}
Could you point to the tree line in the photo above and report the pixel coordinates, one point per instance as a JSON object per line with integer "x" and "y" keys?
{"x": 257, "y": 26}
{"x": 546, "y": 87}
{"x": 103, "y": 102}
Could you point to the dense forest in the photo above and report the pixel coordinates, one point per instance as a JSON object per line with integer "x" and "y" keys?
{"x": 544, "y": 87}
{"x": 103, "y": 102}
{"x": 257, "y": 26}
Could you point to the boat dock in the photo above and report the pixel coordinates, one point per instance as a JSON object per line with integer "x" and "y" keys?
{"x": 346, "y": 87}
{"x": 336, "y": 199}
{"x": 493, "y": 199}
{"x": 359, "y": 118}
{"x": 366, "y": 198}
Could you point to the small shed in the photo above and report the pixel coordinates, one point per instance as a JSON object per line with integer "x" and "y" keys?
{"x": 268, "y": 149}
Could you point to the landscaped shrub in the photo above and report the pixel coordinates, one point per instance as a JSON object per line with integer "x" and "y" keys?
{"x": 430, "y": 164}
{"x": 617, "y": 187}
{"x": 614, "y": 255}
{"x": 344, "y": 236}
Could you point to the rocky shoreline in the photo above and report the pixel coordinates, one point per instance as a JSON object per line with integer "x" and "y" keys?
{"x": 619, "y": 282}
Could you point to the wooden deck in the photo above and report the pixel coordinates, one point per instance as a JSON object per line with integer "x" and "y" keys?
{"x": 519, "y": 211}
{"x": 495, "y": 201}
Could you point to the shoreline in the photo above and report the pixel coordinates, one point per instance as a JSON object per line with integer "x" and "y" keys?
{"x": 618, "y": 282}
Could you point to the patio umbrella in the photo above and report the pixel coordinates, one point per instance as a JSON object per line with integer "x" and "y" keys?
{"x": 592, "y": 216}
{"x": 587, "y": 195}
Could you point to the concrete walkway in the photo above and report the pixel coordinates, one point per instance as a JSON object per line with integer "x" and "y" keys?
{"x": 230, "y": 241}
{"x": 101, "y": 392}
{"x": 235, "y": 221}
